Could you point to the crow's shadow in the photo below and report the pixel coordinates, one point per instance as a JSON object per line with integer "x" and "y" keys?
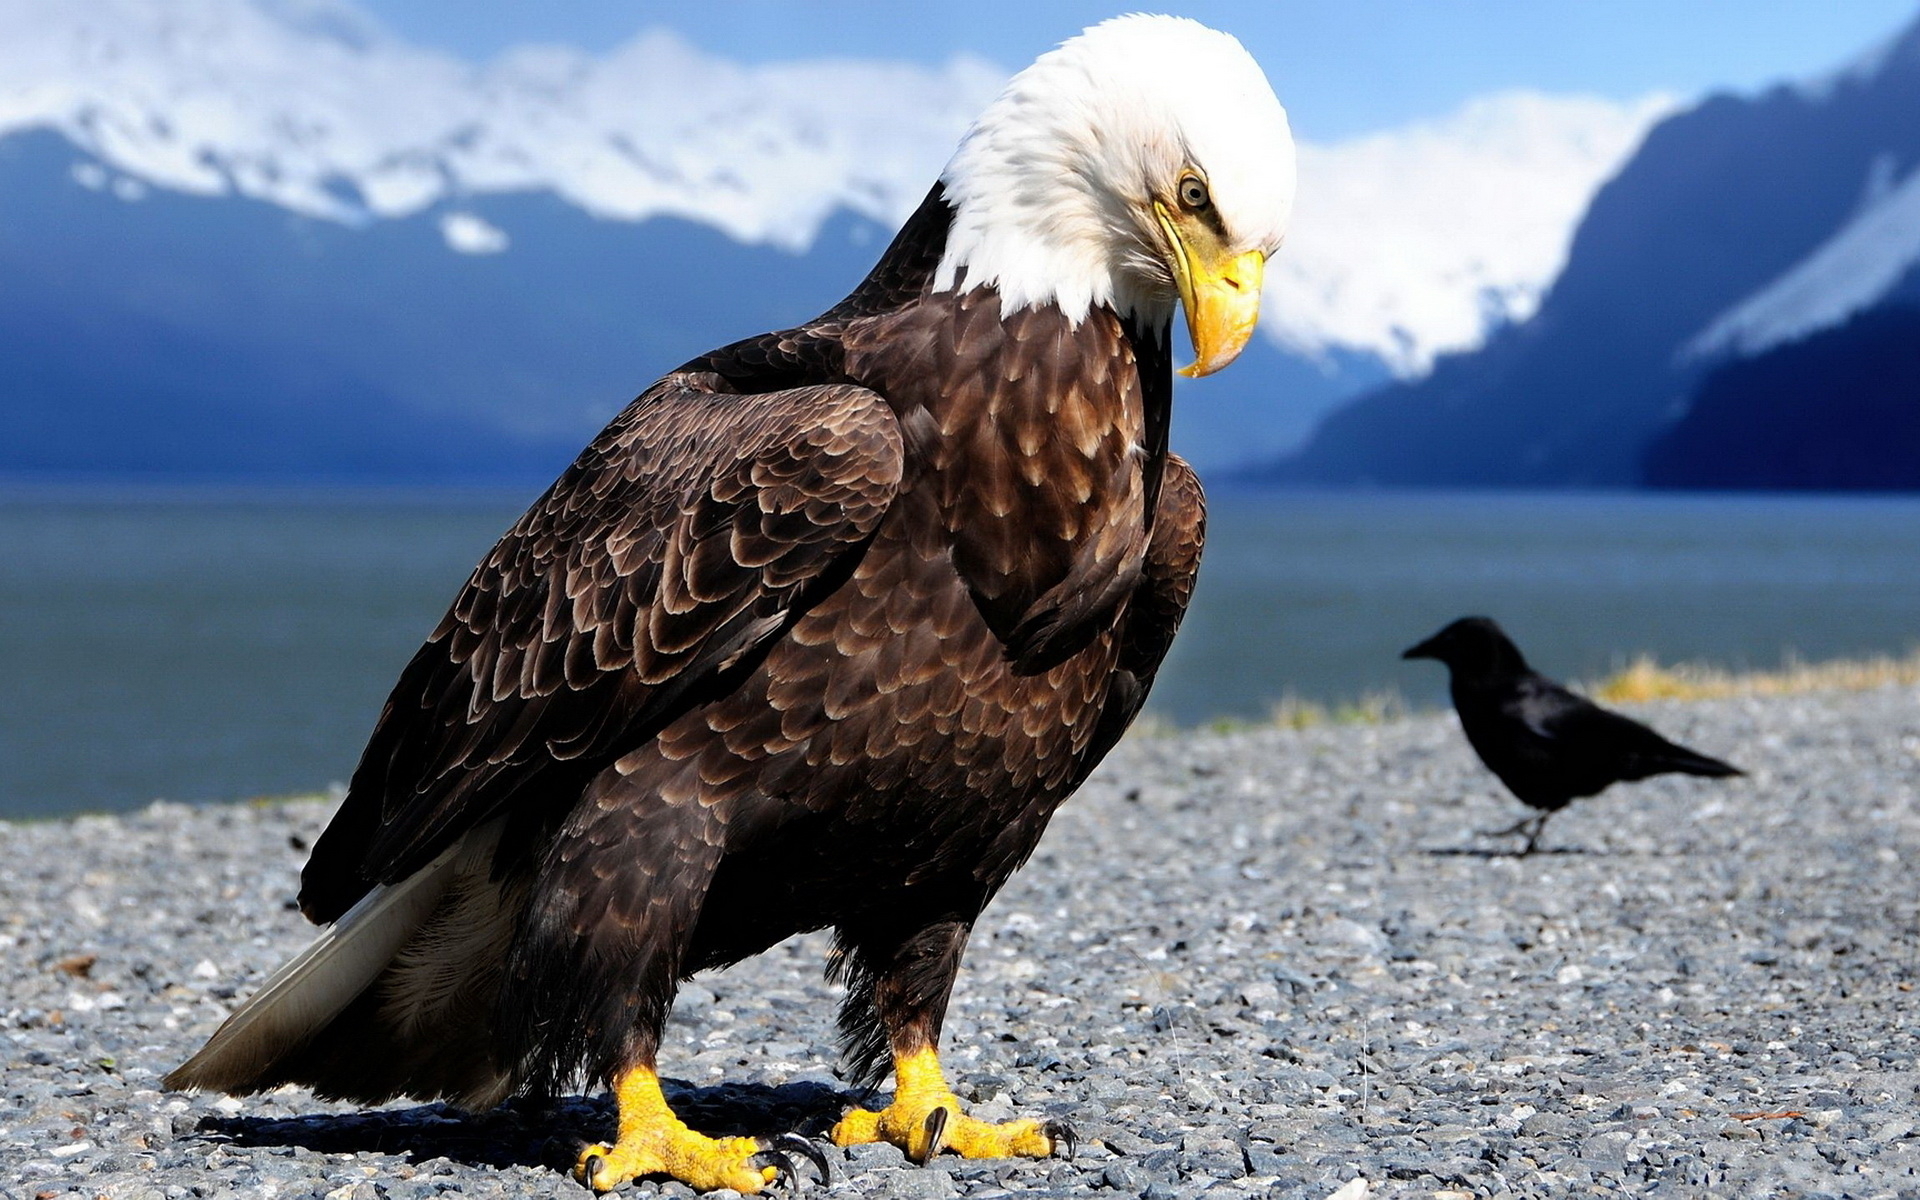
{"x": 534, "y": 1133}
{"x": 1501, "y": 852}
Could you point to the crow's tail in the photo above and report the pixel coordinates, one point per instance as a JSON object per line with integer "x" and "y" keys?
{"x": 1692, "y": 762}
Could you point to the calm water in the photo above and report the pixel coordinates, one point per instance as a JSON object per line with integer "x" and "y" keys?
{"x": 225, "y": 645}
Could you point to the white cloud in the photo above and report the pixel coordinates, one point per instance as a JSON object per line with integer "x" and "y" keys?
{"x": 1406, "y": 243}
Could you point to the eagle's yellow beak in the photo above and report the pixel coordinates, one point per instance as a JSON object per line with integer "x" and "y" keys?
{"x": 1219, "y": 290}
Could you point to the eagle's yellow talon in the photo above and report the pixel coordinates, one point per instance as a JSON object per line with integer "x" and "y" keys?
{"x": 920, "y": 1139}
{"x": 653, "y": 1141}
{"x": 925, "y": 1118}
{"x": 700, "y": 1162}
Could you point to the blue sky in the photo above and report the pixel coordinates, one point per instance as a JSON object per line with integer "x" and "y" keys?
{"x": 1342, "y": 66}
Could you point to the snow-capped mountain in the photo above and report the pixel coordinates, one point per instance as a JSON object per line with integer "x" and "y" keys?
{"x": 1865, "y": 260}
{"x": 337, "y": 119}
{"x": 1851, "y": 271}
{"x": 1416, "y": 242}
{"x": 1407, "y": 244}
{"x": 1740, "y": 227}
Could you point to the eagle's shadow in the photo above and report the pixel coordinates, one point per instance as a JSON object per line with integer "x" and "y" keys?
{"x": 523, "y": 1133}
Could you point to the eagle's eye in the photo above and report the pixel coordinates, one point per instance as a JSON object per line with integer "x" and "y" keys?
{"x": 1193, "y": 193}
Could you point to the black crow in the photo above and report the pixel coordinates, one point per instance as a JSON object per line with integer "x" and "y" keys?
{"x": 1546, "y": 744}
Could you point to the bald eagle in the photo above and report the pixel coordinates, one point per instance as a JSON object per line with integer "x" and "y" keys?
{"x": 817, "y": 633}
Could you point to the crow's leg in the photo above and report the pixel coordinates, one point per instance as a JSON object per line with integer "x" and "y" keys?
{"x": 896, "y": 1002}
{"x": 1528, "y": 826}
{"x": 1533, "y": 834}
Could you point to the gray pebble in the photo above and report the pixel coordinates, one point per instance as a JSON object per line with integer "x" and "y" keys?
{"x": 1123, "y": 1177}
{"x": 1246, "y": 964}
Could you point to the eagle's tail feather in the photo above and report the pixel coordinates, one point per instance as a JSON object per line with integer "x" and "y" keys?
{"x": 325, "y": 1001}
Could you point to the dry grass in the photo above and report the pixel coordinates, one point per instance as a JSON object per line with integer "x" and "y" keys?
{"x": 1289, "y": 712}
{"x": 1372, "y": 708}
{"x": 1644, "y": 679}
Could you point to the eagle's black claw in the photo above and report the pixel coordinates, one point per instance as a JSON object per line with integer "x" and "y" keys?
{"x": 590, "y": 1170}
{"x": 936, "y": 1127}
{"x": 1063, "y": 1133}
{"x": 782, "y": 1166}
{"x": 793, "y": 1143}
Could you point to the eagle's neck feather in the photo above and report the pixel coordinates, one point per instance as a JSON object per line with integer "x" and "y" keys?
{"x": 1047, "y": 246}
{"x": 1051, "y": 199}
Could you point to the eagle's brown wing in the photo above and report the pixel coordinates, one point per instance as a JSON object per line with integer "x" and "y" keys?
{"x": 692, "y": 531}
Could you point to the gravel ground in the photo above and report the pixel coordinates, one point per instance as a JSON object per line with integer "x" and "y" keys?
{"x": 1268, "y": 963}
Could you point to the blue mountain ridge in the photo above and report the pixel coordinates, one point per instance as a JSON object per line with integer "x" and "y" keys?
{"x": 183, "y": 337}
{"x": 1836, "y": 411}
{"x": 1718, "y": 202}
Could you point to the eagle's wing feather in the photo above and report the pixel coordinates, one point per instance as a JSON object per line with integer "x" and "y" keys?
{"x": 693, "y": 529}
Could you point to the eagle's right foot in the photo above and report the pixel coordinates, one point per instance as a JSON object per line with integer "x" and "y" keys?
{"x": 653, "y": 1141}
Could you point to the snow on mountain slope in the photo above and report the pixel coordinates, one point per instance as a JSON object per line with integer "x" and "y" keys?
{"x": 1417, "y": 241}
{"x": 341, "y": 121}
{"x": 1406, "y": 244}
{"x": 1846, "y": 274}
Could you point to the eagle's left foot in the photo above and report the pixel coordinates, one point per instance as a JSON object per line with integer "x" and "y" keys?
{"x": 653, "y": 1141}
{"x": 925, "y": 1119}
{"x": 922, "y": 1132}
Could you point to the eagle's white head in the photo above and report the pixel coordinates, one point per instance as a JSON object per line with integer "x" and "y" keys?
{"x": 1141, "y": 164}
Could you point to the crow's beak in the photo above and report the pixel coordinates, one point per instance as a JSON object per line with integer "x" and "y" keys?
{"x": 1423, "y": 650}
